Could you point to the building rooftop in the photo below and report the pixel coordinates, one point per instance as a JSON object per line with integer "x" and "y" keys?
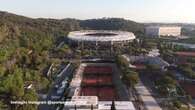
{"x": 101, "y": 35}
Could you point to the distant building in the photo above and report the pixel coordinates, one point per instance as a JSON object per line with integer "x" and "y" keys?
{"x": 160, "y": 31}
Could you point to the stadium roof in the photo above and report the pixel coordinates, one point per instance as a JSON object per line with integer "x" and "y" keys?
{"x": 104, "y": 36}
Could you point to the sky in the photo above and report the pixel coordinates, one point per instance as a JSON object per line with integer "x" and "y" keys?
{"x": 137, "y": 10}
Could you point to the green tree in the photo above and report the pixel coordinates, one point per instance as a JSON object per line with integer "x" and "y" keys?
{"x": 30, "y": 95}
{"x": 177, "y": 104}
{"x": 165, "y": 85}
{"x": 17, "y": 88}
{"x": 2, "y": 70}
{"x": 122, "y": 62}
{"x": 3, "y": 106}
{"x": 3, "y": 54}
{"x": 13, "y": 84}
{"x": 130, "y": 78}
{"x": 44, "y": 83}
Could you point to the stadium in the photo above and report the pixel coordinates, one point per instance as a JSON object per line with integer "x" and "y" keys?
{"x": 100, "y": 37}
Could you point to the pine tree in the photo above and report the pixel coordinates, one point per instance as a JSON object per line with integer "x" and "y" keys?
{"x": 113, "y": 106}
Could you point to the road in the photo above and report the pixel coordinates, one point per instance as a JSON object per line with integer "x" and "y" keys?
{"x": 66, "y": 72}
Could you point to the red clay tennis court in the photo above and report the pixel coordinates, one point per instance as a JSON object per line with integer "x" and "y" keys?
{"x": 189, "y": 88}
{"x": 98, "y": 69}
{"x": 103, "y": 93}
{"x": 107, "y": 93}
{"x": 97, "y": 81}
{"x": 187, "y": 54}
{"x": 89, "y": 91}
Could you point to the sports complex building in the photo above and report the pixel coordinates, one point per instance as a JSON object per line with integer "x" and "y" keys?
{"x": 99, "y": 38}
{"x": 162, "y": 31}
{"x": 96, "y": 85}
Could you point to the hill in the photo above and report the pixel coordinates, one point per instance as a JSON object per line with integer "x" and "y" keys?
{"x": 112, "y": 24}
{"x": 60, "y": 27}
{"x": 27, "y": 49}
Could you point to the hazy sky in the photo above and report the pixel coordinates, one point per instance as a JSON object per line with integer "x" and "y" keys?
{"x": 138, "y": 10}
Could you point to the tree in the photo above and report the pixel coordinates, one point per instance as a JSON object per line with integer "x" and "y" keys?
{"x": 30, "y": 95}
{"x": 113, "y": 106}
{"x": 122, "y": 62}
{"x": 3, "y": 54}
{"x": 177, "y": 104}
{"x": 130, "y": 78}
{"x": 63, "y": 51}
{"x": 2, "y": 70}
{"x": 3, "y": 106}
{"x": 44, "y": 83}
{"x": 165, "y": 85}
{"x": 17, "y": 88}
{"x": 13, "y": 84}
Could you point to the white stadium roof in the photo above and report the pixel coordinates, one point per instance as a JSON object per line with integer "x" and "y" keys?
{"x": 113, "y": 37}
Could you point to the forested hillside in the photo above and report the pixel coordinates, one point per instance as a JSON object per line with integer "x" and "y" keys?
{"x": 26, "y": 45}
{"x": 112, "y": 24}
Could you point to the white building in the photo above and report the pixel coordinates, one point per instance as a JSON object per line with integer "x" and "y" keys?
{"x": 158, "y": 31}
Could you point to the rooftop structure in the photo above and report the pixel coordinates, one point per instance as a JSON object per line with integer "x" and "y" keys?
{"x": 102, "y": 43}
{"x": 160, "y": 31}
{"x": 150, "y": 59}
